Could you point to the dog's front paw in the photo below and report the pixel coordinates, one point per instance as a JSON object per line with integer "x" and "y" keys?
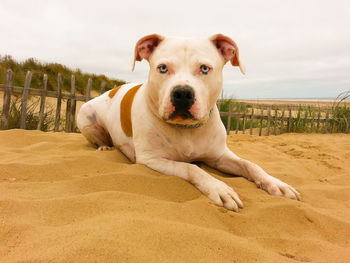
{"x": 222, "y": 195}
{"x": 276, "y": 187}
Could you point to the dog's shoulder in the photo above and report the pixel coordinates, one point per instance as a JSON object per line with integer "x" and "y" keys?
{"x": 119, "y": 92}
{"x": 120, "y": 100}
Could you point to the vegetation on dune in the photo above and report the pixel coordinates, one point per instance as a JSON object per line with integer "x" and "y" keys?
{"x": 51, "y": 69}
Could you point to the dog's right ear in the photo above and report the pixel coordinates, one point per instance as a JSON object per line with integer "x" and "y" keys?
{"x": 145, "y": 46}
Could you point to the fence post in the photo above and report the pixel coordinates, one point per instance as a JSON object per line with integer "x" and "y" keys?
{"x": 290, "y": 120}
{"x": 228, "y": 127}
{"x": 88, "y": 89}
{"x": 244, "y": 118}
{"x": 238, "y": 117}
{"x": 7, "y": 100}
{"x": 268, "y": 122}
{"x": 24, "y": 101}
{"x": 68, "y": 109}
{"x": 318, "y": 119}
{"x": 251, "y": 121}
{"x": 73, "y": 105}
{"x": 59, "y": 100}
{"x": 261, "y": 119}
{"x": 282, "y": 121}
{"x": 42, "y": 103}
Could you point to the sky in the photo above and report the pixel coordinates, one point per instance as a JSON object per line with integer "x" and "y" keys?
{"x": 291, "y": 49}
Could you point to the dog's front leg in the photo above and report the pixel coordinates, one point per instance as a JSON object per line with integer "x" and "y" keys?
{"x": 216, "y": 190}
{"x": 232, "y": 164}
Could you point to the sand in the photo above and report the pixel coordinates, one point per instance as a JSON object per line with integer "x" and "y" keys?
{"x": 63, "y": 201}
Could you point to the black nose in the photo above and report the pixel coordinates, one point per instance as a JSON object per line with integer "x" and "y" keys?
{"x": 182, "y": 97}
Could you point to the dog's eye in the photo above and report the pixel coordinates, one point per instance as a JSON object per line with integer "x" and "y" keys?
{"x": 163, "y": 68}
{"x": 204, "y": 69}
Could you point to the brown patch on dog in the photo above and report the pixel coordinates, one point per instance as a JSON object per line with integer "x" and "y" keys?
{"x": 125, "y": 110}
{"x": 112, "y": 93}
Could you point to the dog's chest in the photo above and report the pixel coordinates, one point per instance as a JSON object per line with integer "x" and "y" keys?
{"x": 187, "y": 151}
{"x": 182, "y": 147}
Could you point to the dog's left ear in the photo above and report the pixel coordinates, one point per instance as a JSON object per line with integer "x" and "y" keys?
{"x": 145, "y": 47}
{"x": 228, "y": 49}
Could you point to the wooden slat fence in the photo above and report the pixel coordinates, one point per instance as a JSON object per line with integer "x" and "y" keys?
{"x": 266, "y": 119}
{"x": 261, "y": 119}
{"x": 26, "y": 91}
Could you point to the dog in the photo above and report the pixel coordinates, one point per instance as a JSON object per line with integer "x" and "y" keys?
{"x": 172, "y": 119}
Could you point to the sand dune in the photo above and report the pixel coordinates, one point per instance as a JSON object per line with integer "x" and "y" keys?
{"x": 62, "y": 201}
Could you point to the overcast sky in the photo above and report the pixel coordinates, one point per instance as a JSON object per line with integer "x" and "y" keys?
{"x": 294, "y": 49}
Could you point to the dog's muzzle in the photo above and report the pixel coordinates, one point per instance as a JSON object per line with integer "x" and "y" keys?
{"x": 182, "y": 98}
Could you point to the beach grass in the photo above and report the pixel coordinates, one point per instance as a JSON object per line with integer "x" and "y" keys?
{"x": 305, "y": 118}
{"x": 32, "y": 115}
{"x": 341, "y": 112}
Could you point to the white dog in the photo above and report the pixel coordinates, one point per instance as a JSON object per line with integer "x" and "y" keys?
{"x": 172, "y": 119}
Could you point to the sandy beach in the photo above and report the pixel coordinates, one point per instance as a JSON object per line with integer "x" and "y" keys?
{"x": 63, "y": 201}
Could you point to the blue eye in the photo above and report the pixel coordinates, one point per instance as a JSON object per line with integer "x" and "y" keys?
{"x": 204, "y": 69}
{"x": 162, "y": 68}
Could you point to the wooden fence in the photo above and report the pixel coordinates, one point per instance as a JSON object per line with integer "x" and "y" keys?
{"x": 267, "y": 119}
{"x": 71, "y": 100}
{"x": 261, "y": 119}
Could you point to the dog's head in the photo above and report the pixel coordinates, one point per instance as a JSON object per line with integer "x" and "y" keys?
{"x": 185, "y": 77}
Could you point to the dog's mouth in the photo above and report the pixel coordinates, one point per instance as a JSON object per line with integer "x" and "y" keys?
{"x": 186, "y": 120}
{"x": 181, "y": 115}
{"x": 183, "y": 120}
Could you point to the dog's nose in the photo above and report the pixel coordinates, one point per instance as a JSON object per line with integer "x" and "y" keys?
{"x": 182, "y": 97}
